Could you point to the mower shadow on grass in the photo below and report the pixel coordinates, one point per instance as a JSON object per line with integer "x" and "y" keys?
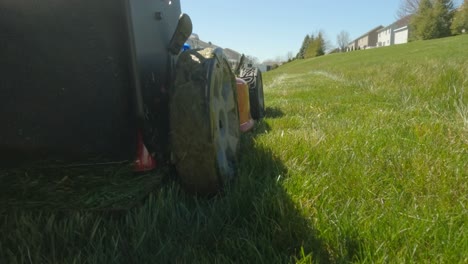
{"x": 273, "y": 112}
{"x": 253, "y": 221}
{"x": 277, "y": 229}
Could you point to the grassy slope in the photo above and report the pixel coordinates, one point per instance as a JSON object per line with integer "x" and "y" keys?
{"x": 377, "y": 145}
{"x": 362, "y": 157}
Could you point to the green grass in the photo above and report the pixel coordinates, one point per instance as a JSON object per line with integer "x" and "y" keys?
{"x": 363, "y": 157}
{"x": 109, "y": 187}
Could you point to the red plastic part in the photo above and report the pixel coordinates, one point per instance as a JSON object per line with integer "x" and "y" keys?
{"x": 144, "y": 160}
{"x": 247, "y": 126}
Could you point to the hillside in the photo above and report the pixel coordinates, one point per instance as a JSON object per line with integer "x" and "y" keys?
{"x": 376, "y": 146}
{"x": 362, "y": 158}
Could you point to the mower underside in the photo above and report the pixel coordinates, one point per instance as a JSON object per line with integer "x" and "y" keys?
{"x": 65, "y": 86}
{"x": 68, "y": 79}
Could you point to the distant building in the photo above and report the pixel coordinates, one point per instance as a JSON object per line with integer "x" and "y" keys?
{"x": 232, "y": 56}
{"x": 396, "y": 33}
{"x": 263, "y": 67}
{"x": 352, "y": 46}
{"x": 196, "y": 43}
{"x": 401, "y": 35}
{"x": 368, "y": 40}
{"x": 336, "y": 50}
{"x": 267, "y": 67}
{"x": 385, "y": 37}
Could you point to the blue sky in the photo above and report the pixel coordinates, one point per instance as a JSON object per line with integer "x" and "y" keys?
{"x": 268, "y": 29}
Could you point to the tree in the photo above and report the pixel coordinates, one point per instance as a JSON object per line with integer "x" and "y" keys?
{"x": 320, "y": 45}
{"x": 290, "y": 56}
{"x": 305, "y": 44}
{"x": 342, "y": 40}
{"x": 316, "y": 46}
{"x": 432, "y": 20}
{"x": 407, "y": 7}
{"x": 460, "y": 20}
{"x": 419, "y": 24}
{"x": 252, "y": 60}
{"x": 443, "y": 12}
{"x": 313, "y": 46}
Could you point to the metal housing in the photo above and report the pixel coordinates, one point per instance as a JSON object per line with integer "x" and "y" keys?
{"x": 80, "y": 77}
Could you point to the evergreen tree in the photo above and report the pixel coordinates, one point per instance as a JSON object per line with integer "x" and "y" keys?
{"x": 305, "y": 44}
{"x": 443, "y": 12}
{"x": 460, "y": 20}
{"x": 316, "y": 47}
{"x": 309, "y": 52}
{"x": 432, "y": 20}
{"x": 312, "y": 46}
{"x": 422, "y": 23}
{"x": 320, "y": 45}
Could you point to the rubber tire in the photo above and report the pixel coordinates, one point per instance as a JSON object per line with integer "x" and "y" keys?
{"x": 204, "y": 121}
{"x": 253, "y": 76}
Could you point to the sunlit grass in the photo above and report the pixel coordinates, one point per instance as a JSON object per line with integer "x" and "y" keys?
{"x": 363, "y": 157}
{"x": 377, "y": 151}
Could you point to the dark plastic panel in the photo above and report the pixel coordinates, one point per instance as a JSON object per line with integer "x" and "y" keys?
{"x": 65, "y": 85}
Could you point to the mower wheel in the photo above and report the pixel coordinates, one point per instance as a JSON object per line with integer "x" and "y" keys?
{"x": 253, "y": 76}
{"x": 204, "y": 121}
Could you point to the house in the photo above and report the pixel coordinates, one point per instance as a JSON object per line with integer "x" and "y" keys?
{"x": 385, "y": 36}
{"x": 352, "y": 46}
{"x": 336, "y": 50}
{"x": 232, "y": 56}
{"x": 401, "y": 31}
{"x": 369, "y": 39}
{"x": 267, "y": 67}
{"x": 401, "y": 35}
{"x": 396, "y": 33}
{"x": 196, "y": 43}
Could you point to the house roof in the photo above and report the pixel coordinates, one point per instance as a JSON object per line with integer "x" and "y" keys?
{"x": 384, "y": 28}
{"x": 200, "y": 43}
{"x": 404, "y": 21}
{"x": 232, "y": 54}
{"x": 370, "y": 31}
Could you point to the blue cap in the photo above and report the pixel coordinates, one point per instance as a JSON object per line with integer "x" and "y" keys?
{"x": 186, "y": 47}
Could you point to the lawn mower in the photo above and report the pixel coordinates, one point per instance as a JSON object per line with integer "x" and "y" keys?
{"x": 92, "y": 82}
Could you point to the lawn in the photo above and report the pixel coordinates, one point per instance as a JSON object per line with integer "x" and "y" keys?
{"x": 362, "y": 158}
